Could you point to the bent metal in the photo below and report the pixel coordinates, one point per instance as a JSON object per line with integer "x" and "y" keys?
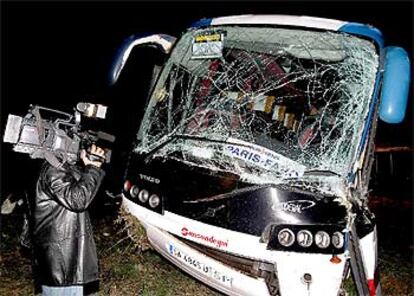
{"x": 271, "y": 120}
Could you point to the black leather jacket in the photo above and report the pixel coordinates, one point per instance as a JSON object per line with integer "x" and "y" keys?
{"x": 64, "y": 248}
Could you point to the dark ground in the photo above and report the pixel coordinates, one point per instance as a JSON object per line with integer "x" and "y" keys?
{"x": 124, "y": 271}
{"x": 58, "y": 53}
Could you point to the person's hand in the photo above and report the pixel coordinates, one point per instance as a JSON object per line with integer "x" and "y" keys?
{"x": 94, "y": 150}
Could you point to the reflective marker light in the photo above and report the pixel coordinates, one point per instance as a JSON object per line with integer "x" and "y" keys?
{"x": 304, "y": 238}
{"x": 134, "y": 191}
{"x": 286, "y": 237}
{"x": 335, "y": 259}
{"x": 322, "y": 239}
{"x": 127, "y": 185}
{"x": 338, "y": 240}
{"x": 143, "y": 195}
{"x": 154, "y": 201}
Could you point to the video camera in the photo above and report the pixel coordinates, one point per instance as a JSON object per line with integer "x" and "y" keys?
{"x": 57, "y": 138}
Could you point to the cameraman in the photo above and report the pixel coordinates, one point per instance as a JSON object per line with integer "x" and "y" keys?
{"x": 65, "y": 256}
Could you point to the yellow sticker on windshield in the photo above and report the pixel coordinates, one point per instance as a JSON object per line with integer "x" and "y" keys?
{"x": 207, "y": 38}
{"x": 207, "y": 45}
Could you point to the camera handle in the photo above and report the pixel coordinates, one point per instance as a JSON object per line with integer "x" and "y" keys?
{"x": 93, "y": 157}
{"x": 49, "y": 156}
{"x": 53, "y": 160}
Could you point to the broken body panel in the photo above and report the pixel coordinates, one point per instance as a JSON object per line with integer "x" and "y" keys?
{"x": 252, "y": 160}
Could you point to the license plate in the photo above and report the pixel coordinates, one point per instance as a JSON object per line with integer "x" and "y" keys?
{"x": 200, "y": 266}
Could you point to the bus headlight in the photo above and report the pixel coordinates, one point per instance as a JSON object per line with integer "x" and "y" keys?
{"x": 143, "y": 196}
{"x": 322, "y": 239}
{"x": 286, "y": 237}
{"x": 134, "y": 191}
{"x": 338, "y": 240}
{"x": 154, "y": 201}
{"x": 304, "y": 238}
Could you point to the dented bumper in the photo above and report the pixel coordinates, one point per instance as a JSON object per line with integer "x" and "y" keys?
{"x": 276, "y": 272}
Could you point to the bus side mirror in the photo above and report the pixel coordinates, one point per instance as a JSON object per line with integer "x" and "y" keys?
{"x": 162, "y": 42}
{"x": 396, "y": 85}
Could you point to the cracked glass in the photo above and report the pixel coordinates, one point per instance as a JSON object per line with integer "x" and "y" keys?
{"x": 265, "y": 103}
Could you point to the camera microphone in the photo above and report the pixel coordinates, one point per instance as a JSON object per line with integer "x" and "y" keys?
{"x": 92, "y": 110}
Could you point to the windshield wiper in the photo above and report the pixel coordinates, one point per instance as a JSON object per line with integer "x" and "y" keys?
{"x": 321, "y": 172}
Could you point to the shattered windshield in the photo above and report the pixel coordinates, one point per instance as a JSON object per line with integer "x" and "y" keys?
{"x": 261, "y": 101}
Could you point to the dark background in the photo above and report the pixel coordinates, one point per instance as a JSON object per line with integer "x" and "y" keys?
{"x": 58, "y": 53}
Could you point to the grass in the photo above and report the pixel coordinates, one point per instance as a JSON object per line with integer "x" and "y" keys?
{"x": 397, "y": 273}
{"x": 15, "y": 269}
{"x": 128, "y": 271}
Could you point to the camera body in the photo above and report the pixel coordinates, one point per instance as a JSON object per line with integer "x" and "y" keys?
{"x": 57, "y": 137}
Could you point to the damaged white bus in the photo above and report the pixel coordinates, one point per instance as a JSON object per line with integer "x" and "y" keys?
{"x": 252, "y": 161}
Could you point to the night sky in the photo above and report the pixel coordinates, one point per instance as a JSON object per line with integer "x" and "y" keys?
{"x": 58, "y": 53}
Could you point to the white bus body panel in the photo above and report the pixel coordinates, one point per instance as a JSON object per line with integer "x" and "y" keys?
{"x": 291, "y": 266}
